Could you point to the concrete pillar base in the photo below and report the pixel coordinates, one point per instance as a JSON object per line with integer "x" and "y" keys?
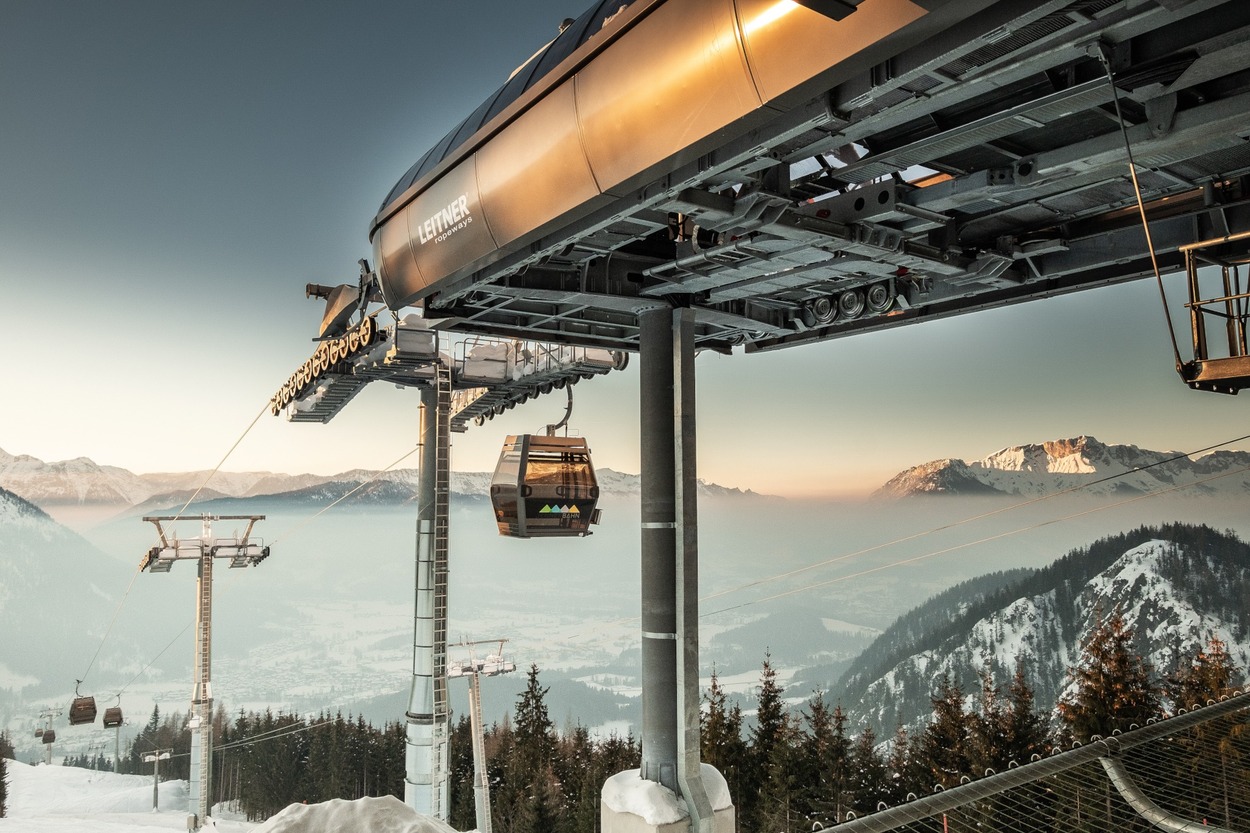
{"x": 612, "y": 821}
{"x": 631, "y": 804}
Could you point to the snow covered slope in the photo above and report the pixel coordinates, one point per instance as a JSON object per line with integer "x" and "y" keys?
{"x": 45, "y": 571}
{"x": 1046, "y": 468}
{"x": 1175, "y": 585}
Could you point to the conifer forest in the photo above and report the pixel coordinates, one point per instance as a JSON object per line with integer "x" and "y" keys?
{"x": 787, "y": 768}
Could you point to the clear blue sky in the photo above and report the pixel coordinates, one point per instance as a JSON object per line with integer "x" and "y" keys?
{"x": 173, "y": 174}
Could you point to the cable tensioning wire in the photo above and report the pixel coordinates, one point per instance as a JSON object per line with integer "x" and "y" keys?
{"x": 968, "y": 520}
{"x": 272, "y": 734}
{"x": 985, "y": 540}
{"x": 348, "y": 494}
{"x": 304, "y": 523}
{"x": 122, "y": 601}
{"x": 1141, "y": 205}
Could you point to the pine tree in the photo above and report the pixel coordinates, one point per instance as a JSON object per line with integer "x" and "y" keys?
{"x": 944, "y": 753}
{"x": 987, "y": 729}
{"x": 1111, "y": 685}
{"x": 1025, "y": 733}
{"x": 902, "y": 770}
{"x": 6, "y": 752}
{"x": 1208, "y": 770}
{"x": 771, "y": 726}
{"x": 720, "y": 737}
{"x": 823, "y": 759}
{"x": 461, "y": 797}
{"x": 869, "y": 780}
{"x": 535, "y": 733}
{"x": 1206, "y": 675}
{"x": 533, "y": 790}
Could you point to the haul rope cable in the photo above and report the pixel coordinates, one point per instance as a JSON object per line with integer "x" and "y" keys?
{"x": 304, "y": 523}
{"x": 345, "y": 496}
{"x": 971, "y": 519}
{"x": 1105, "y": 59}
{"x": 984, "y": 540}
{"x": 272, "y": 734}
{"x": 122, "y": 601}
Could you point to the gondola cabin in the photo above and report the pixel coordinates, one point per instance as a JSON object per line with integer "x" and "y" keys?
{"x": 82, "y": 711}
{"x": 39, "y": 733}
{"x": 544, "y": 487}
{"x": 112, "y": 717}
{"x": 49, "y": 736}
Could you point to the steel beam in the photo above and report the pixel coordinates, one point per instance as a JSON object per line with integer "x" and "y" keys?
{"x": 670, "y": 561}
{"x": 659, "y": 548}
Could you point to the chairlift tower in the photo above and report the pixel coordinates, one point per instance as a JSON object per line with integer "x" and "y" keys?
{"x": 48, "y": 735}
{"x": 473, "y": 668}
{"x": 154, "y": 758}
{"x": 242, "y": 552}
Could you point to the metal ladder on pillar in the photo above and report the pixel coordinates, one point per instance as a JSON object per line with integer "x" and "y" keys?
{"x": 442, "y": 510}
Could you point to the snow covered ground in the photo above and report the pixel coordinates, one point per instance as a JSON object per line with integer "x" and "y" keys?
{"x": 58, "y": 799}
{"x": 62, "y": 799}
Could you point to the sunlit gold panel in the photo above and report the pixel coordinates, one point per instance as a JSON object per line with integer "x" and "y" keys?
{"x": 397, "y": 271}
{"x": 787, "y": 44}
{"x": 675, "y": 78}
{"x": 535, "y": 170}
{"x": 446, "y": 225}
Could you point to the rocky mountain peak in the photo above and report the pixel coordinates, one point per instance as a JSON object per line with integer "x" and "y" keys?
{"x": 1035, "y": 469}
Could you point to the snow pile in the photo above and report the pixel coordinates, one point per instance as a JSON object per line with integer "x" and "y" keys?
{"x": 627, "y": 792}
{"x": 372, "y": 815}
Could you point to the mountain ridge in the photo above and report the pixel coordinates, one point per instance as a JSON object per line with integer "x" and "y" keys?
{"x": 82, "y": 482}
{"x": 1036, "y": 469}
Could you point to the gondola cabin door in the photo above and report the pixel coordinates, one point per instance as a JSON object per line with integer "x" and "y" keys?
{"x": 544, "y": 487}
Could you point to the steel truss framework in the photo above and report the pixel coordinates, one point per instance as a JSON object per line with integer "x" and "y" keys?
{"x": 983, "y": 167}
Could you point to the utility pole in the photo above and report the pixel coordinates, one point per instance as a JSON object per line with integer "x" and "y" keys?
{"x": 492, "y": 666}
{"x": 154, "y": 758}
{"x": 242, "y": 552}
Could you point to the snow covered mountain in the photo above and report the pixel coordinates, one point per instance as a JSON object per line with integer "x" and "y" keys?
{"x": 83, "y": 482}
{"x": 1176, "y": 586}
{"x": 1045, "y": 468}
{"x": 47, "y": 571}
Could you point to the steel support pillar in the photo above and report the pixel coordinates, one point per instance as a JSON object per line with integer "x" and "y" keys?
{"x": 481, "y": 778}
{"x": 670, "y": 559}
{"x": 425, "y": 779}
{"x": 202, "y": 695}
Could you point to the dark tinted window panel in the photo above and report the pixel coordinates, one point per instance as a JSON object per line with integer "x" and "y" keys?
{"x": 512, "y": 90}
{"x": 473, "y": 123}
{"x": 405, "y": 181}
{"x": 436, "y": 155}
{"x": 605, "y": 10}
{"x": 563, "y": 46}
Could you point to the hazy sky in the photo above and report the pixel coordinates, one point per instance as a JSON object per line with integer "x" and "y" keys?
{"x": 173, "y": 174}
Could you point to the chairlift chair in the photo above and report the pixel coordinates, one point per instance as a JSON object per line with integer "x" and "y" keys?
{"x": 544, "y": 487}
